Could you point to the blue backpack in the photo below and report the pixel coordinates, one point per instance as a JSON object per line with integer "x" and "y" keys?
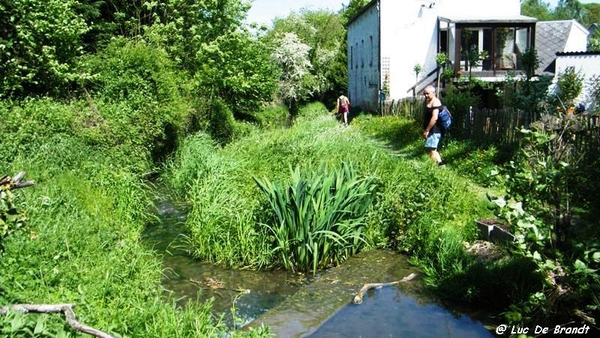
{"x": 445, "y": 119}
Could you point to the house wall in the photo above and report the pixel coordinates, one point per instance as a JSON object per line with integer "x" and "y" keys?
{"x": 408, "y": 37}
{"x": 364, "y": 60}
{"x": 588, "y": 64}
{"x": 577, "y": 40}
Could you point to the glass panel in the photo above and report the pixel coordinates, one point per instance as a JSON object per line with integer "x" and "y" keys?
{"x": 486, "y": 50}
{"x": 506, "y": 58}
{"x": 521, "y": 44}
{"x": 469, "y": 44}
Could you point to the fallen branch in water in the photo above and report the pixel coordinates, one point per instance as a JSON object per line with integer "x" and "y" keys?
{"x": 358, "y": 298}
{"x": 66, "y": 309}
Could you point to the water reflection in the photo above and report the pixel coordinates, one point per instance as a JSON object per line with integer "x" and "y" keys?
{"x": 389, "y": 312}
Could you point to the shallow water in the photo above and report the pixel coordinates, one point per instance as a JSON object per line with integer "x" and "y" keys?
{"x": 252, "y": 292}
{"x": 293, "y": 308}
{"x": 390, "y": 312}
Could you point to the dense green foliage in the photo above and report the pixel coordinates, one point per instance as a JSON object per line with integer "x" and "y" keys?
{"x": 39, "y": 43}
{"x": 318, "y": 220}
{"x": 540, "y": 205}
{"x": 82, "y": 245}
{"x": 97, "y": 95}
{"x": 324, "y": 34}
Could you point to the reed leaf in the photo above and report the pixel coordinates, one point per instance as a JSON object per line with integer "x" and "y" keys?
{"x": 319, "y": 216}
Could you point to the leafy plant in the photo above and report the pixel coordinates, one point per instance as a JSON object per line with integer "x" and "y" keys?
{"x": 319, "y": 220}
{"x": 11, "y": 219}
{"x": 538, "y": 206}
{"x": 39, "y": 44}
{"x": 296, "y": 82}
{"x": 221, "y": 122}
{"x": 530, "y": 62}
{"x": 569, "y": 85}
{"x": 417, "y": 69}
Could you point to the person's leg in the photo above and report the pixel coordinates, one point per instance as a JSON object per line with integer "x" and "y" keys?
{"x": 345, "y": 118}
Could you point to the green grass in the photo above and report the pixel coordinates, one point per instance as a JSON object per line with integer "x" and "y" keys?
{"x": 227, "y": 203}
{"x": 90, "y": 204}
{"x": 85, "y": 215}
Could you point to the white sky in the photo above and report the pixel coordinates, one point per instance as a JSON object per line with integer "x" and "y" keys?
{"x": 264, "y": 11}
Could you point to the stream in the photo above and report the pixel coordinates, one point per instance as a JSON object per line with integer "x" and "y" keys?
{"x": 294, "y": 306}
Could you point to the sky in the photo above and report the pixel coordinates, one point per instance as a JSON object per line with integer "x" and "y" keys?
{"x": 264, "y": 11}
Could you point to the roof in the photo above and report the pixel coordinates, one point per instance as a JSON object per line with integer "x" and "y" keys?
{"x": 490, "y": 19}
{"x": 550, "y": 38}
{"x": 577, "y": 53}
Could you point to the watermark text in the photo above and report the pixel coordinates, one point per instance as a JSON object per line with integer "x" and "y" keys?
{"x": 504, "y": 329}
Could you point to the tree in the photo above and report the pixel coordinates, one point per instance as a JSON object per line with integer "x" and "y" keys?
{"x": 592, "y": 11}
{"x": 354, "y": 6}
{"x": 296, "y": 82}
{"x": 594, "y": 41}
{"x": 323, "y": 31}
{"x": 570, "y": 9}
{"x": 39, "y": 41}
{"x": 185, "y": 27}
{"x": 239, "y": 69}
{"x": 537, "y": 9}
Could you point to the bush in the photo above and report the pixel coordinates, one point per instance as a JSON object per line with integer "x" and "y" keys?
{"x": 40, "y": 41}
{"x": 137, "y": 97}
{"x": 221, "y": 122}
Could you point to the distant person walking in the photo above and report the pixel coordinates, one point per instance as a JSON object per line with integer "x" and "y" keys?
{"x": 342, "y": 108}
{"x": 432, "y": 133}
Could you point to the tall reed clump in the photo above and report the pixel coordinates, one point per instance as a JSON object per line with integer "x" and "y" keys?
{"x": 318, "y": 219}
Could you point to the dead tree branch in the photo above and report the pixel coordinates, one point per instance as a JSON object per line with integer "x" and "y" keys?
{"x": 15, "y": 181}
{"x": 66, "y": 309}
{"x": 358, "y": 298}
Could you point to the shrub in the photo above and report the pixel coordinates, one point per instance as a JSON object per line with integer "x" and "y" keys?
{"x": 137, "y": 96}
{"x": 221, "y": 122}
{"x": 569, "y": 86}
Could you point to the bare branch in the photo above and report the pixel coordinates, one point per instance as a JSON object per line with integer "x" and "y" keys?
{"x": 66, "y": 309}
{"x": 358, "y": 298}
{"x": 15, "y": 181}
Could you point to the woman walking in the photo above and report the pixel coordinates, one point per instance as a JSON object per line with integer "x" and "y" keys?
{"x": 342, "y": 108}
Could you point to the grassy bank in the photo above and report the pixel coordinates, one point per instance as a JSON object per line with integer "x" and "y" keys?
{"x": 85, "y": 215}
{"x": 418, "y": 208}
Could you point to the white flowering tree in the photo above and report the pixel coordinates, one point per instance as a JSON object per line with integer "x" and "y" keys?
{"x": 296, "y": 82}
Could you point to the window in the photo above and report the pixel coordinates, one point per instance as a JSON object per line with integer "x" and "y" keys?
{"x": 371, "y": 61}
{"x": 362, "y": 54}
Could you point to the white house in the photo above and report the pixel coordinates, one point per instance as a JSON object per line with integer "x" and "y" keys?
{"x": 558, "y": 36}
{"x": 387, "y": 38}
{"x": 587, "y": 64}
